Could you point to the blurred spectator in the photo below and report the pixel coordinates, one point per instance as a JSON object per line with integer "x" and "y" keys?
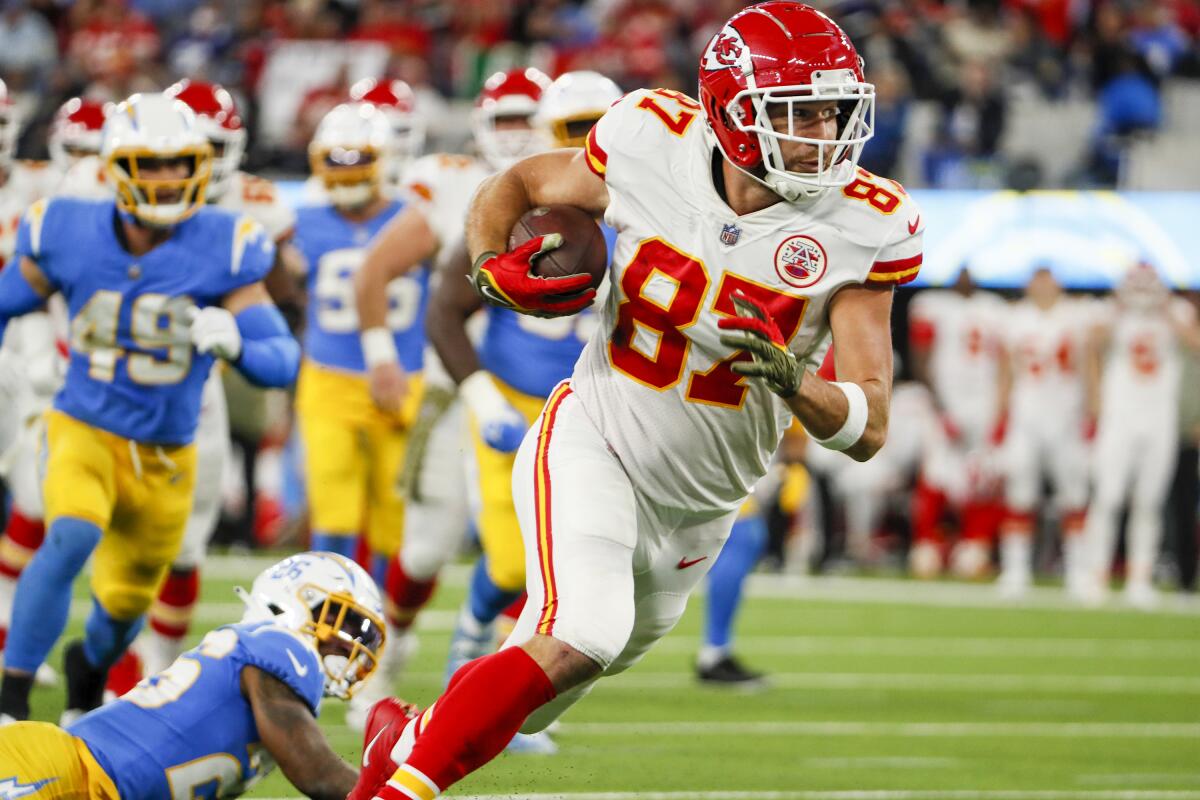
{"x": 28, "y": 49}
{"x": 972, "y": 122}
{"x": 110, "y": 41}
{"x": 1157, "y": 38}
{"x": 882, "y": 153}
{"x": 978, "y": 32}
{"x": 208, "y": 36}
{"x": 1129, "y": 107}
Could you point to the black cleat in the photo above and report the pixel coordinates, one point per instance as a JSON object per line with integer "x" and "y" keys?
{"x": 730, "y": 672}
{"x": 14, "y": 697}
{"x": 85, "y": 683}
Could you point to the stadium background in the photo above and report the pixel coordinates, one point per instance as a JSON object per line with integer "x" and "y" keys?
{"x": 881, "y": 686}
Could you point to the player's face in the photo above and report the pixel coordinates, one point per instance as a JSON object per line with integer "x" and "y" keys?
{"x": 512, "y": 122}
{"x": 169, "y": 170}
{"x": 812, "y": 120}
{"x": 1043, "y": 289}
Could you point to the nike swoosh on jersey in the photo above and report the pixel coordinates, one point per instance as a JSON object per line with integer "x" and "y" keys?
{"x": 912, "y": 226}
{"x": 684, "y": 563}
{"x": 301, "y": 670}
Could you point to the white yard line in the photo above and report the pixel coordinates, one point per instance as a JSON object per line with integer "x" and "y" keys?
{"x": 953, "y": 646}
{"x": 997, "y": 730}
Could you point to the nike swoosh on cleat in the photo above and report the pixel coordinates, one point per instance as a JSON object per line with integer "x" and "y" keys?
{"x": 301, "y": 670}
{"x": 684, "y": 563}
{"x": 367, "y": 750}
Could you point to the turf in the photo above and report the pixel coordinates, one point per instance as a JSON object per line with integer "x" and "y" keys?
{"x": 876, "y": 696}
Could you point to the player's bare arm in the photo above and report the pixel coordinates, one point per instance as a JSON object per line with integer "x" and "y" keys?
{"x": 559, "y": 176}
{"x": 860, "y": 318}
{"x": 450, "y": 306}
{"x": 294, "y": 739}
{"x": 405, "y": 242}
{"x": 285, "y": 281}
{"x": 506, "y": 278}
{"x": 36, "y": 278}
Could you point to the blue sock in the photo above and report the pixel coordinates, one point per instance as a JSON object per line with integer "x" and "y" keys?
{"x": 331, "y": 543}
{"x": 43, "y": 598}
{"x": 106, "y": 639}
{"x": 737, "y": 560}
{"x": 379, "y": 569}
{"x": 485, "y": 599}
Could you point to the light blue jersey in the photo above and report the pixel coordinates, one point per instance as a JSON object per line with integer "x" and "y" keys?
{"x": 532, "y": 354}
{"x": 335, "y": 249}
{"x": 189, "y": 731}
{"x": 133, "y": 370}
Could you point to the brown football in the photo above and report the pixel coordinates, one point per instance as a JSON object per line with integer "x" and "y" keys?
{"x": 583, "y": 249}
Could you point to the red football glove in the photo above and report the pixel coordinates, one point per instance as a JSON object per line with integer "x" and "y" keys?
{"x": 507, "y": 280}
{"x": 756, "y": 333}
{"x": 385, "y": 723}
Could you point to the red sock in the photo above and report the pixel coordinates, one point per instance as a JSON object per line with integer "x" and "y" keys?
{"x": 171, "y": 613}
{"x": 981, "y": 520}
{"x": 1073, "y": 521}
{"x": 21, "y": 540}
{"x": 124, "y": 674}
{"x": 406, "y": 596}
{"x": 928, "y": 506}
{"x": 471, "y": 723}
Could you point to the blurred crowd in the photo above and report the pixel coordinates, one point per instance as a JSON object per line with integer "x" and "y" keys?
{"x": 288, "y": 61}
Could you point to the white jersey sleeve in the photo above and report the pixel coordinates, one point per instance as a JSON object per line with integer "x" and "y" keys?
{"x": 441, "y": 186}
{"x": 260, "y": 199}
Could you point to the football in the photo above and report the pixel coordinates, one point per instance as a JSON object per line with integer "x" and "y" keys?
{"x": 583, "y": 249}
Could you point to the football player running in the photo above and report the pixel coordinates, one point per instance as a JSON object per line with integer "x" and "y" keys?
{"x": 224, "y": 714}
{"x": 746, "y": 238}
{"x": 158, "y": 288}
{"x": 430, "y": 229}
{"x": 520, "y": 359}
{"x": 1133, "y": 372}
{"x": 353, "y": 448}
{"x": 31, "y": 366}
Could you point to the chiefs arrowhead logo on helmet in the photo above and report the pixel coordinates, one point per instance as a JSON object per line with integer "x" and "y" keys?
{"x": 726, "y": 51}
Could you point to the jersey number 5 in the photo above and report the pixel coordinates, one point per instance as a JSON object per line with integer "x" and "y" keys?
{"x": 687, "y": 282}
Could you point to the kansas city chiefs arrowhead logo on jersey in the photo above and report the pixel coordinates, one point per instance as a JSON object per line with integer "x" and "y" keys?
{"x": 800, "y": 261}
{"x": 726, "y": 50}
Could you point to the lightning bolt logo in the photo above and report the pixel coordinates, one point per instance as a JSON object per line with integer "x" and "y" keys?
{"x": 11, "y": 789}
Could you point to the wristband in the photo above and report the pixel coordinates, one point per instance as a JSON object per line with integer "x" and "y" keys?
{"x": 379, "y": 347}
{"x": 856, "y": 418}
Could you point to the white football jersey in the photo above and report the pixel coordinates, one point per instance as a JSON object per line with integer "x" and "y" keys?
{"x": 441, "y": 186}
{"x": 654, "y": 377}
{"x": 963, "y": 334}
{"x": 258, "y": 197}
{"x": 27, "y": 182}
{"x": 1142, "y": 368}
{"x": 1047, "y": 348}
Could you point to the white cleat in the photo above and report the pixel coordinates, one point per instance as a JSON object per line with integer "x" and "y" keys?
{"x": 6, "y": 719}
{"x": 1013, "y": 585}
{"x": 532, "y": 744}
{"x": 1142, "y": 596}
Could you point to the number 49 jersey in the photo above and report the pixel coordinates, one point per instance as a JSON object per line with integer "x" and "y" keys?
{"x": 189, "y": 731}
{"x": 655, "y": 378}
{"x": 133, "y": 370}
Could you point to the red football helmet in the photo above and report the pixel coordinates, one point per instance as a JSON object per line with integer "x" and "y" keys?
{"x": 512, "y": 97}
{"x": 10, "y": 127}
{"x": 399, "y": 102}
{"x": 218, "y": 119}
{"x": 775, "y": 56}
{"x": 75, "y": 131}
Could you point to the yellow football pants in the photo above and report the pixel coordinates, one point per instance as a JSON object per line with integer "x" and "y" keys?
{"x": 499, "y": 532}
{"x": 47, "y": 763}
{"x": 353, "y": 454}
{"x": 139, "y": 495}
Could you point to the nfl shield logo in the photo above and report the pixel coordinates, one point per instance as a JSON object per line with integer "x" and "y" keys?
{"x": 730, "y": 234}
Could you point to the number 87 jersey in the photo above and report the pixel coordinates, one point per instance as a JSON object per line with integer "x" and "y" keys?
{"x": 692, "y": 433}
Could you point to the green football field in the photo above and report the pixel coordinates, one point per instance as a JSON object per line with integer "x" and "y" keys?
{"x": 882, "y": 690}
